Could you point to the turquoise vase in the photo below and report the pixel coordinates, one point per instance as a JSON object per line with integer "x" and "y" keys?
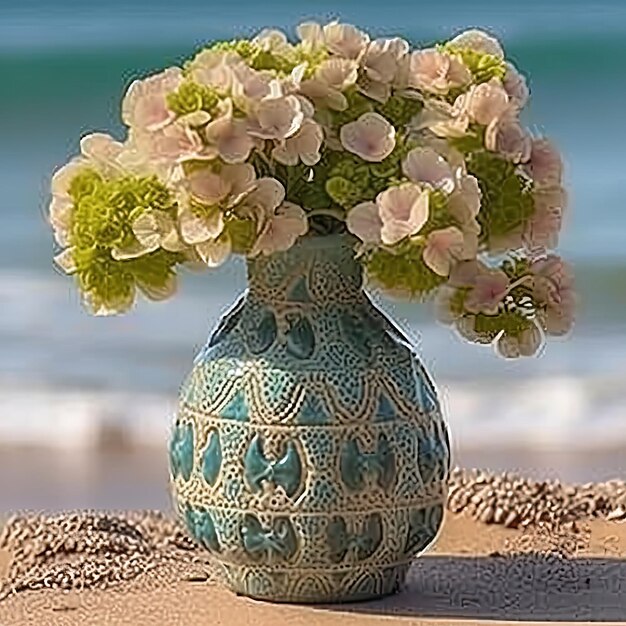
{"x": 309, "y": 454}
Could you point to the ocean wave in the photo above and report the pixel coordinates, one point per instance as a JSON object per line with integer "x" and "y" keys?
{"x": 548, "y": 414}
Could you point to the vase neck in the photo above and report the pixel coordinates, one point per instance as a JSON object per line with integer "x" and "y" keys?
{"x": 317, "y": 270}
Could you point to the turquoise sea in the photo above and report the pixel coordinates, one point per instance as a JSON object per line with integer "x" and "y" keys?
{"x": 66, "y": 377}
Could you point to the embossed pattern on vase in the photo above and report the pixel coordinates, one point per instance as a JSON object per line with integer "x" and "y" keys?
{"x": 309, "y": 454}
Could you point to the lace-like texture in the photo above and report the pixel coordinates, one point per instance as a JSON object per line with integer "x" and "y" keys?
{"x": 309, "y": 453}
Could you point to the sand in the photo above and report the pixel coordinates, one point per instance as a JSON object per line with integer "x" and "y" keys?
{"x": 571, "y": 568}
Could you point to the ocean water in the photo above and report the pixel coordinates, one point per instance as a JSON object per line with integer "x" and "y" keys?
{"x": 67, "y": 378}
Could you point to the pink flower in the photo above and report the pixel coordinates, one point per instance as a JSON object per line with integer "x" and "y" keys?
{"x": 230, "y": 137}
{"x": 443, "y": 119}
{"x": 277, "y": 116}
{"x": 145, "y": 104}
{"x": 345, "y": 40}
{"x": 515, "y": 86}
{"x": 281, "y": 229}
{"x": 487, "y": 102}
{"x": 311, "y": 35}
{"x": 443, "y": 247}
{"x": 436, "y": 72}
{"x": 488, "y": 289}
{"x": 331, "y": 78}
{"x": 371, "y": 137}
{"x": 303, "y": 146}
{"x": 403, "y": 211}
{"x": 553, "y": 287}
{"x": 545, "y": 166}
{"x": 171, "y": 144}
{"x": 365, "y": 222}
{"x": 506, "y": 136}
{"x": 544, "y": 225}
{"x": 214, "y": 68}
{"x": 464, "y": 201}
{"x": 425, "y": 166}
{"x": 382, "y": 58}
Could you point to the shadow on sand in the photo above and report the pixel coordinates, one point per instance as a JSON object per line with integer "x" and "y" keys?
{"x": 513, "y": 587}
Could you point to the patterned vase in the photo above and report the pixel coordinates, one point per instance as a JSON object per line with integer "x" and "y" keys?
{"x": 309, "y": 454}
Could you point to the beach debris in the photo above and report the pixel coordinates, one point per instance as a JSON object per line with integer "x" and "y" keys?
{"x": 84, "y": 550}
{"x": 515, "y": 501}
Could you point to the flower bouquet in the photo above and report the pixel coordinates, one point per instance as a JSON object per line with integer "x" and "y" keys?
{"x": 254, "y": 143}
{"x": 309, "y": 453}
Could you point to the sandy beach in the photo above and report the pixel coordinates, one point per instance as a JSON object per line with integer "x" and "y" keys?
{"x": 569, "y": 569}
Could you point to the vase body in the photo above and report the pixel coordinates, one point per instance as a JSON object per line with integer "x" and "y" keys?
{"x": 309, "y": 453}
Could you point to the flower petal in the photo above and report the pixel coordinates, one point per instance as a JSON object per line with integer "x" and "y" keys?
{"x": 424, "y": 165}
{"x": 196, "y": 229}
{"x": 364, "y": 221}
{"x": 215, "y": 251}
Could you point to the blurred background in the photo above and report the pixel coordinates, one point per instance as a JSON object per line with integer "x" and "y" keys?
{"x": 86, "y": 403}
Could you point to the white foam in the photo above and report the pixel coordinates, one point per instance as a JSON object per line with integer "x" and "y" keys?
{"x": 558, "y": 413}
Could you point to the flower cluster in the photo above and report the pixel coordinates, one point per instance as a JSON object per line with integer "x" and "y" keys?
{"x": 419, "y": 153}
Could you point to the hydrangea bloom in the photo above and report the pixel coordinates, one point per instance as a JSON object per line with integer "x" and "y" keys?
{"x": 419, "y": 154}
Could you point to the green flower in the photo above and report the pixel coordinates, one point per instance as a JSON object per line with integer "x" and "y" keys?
{"x": 191, "y": 97}
{"x": 402, "y": 270}
{"x": 507, "y": 200}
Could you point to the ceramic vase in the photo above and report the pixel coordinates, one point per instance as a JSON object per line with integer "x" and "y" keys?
{"x": 309, "y": 454}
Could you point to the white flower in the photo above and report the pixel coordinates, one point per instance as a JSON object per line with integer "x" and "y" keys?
{"x": 277, "y": 116}
{"x": 281, "y": 229}
{"x": 231, "y": 183}
{"x": 272, "y": 40}
{"x": 345, "y": 40}
{"x": 443, "y": 247}
{"x": 157, "y": 229}
{"x": 145, "y": 104}
{"x": 303, "y": 146}
{"x": 403, "y": 211}
{"x": 487, "y": 102}
{"x": 443, "y": 119}
{"x": 311, "y": 35}
{"x": 230, "y": 136}
{"x": 371, "y": 137}
{"x": 202, "y": 201}
{"x": 103, "y": 152}
{"x": 214, "y": 68}
{"x": 262, "y": 201}
{"x": 479, "y": 41}
{"x": 171, "y": 145}
{"x": 382, "y": 58}
{"x": 436, "y": 72}
{"x": 365, "y": 222}
{"x": 506, "y": 136}
{"x": 249, "y": 86}
{"x": 425, "y": 166}
{"x": 331, "y": 78}
{"x": 515, "y": 86}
